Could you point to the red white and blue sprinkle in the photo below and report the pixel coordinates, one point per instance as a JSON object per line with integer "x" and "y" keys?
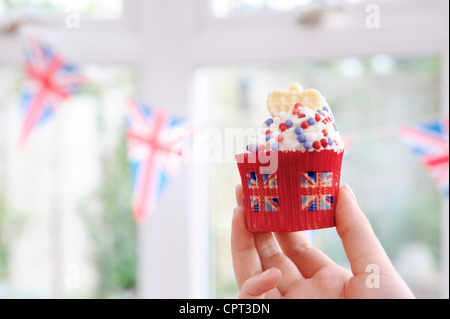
{"x": 330, "y": 141}
{"x": 301, "y": 138}
{"x": 307, "y": 145}
{"x": 301, "y": 128}
{"x": 311, "y": 121}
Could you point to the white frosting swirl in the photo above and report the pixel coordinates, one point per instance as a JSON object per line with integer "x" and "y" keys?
{"x": 300, "y": 129}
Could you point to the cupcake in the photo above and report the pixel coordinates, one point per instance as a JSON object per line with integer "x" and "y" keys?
{"x": 291, "y": 172}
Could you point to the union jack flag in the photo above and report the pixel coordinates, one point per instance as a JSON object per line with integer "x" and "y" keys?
{"x": 316, "y": 179}
{"x": 252, "y": 181}
{"x": 316, "y": 190}
{"x": 263, "y": 192}
{"x": 270, "y": 180}
{"x": 157, "y": 145}
{"x": 317, "y": 202}
{"x": 431, "y": 142}
{"x": 254, "y": 203}
{"x": 49, "y": 80}
{"x": 347, "y": 140}
{"x": 271, "y": 204}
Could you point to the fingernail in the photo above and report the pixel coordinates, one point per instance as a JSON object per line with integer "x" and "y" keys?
{"x": 351, "y": 192}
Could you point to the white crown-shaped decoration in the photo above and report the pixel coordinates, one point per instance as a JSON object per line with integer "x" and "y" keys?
{"x": 283, "y": 101}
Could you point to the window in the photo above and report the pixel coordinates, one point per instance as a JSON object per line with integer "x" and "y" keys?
{"x": 216, "y": 71}
{"x": 63, "y": 171}
{"x": 370, "y": 98}
{"x": 221, "y": 8}
{"x": 63, "y": 214}
{"x": 96, "y": 9}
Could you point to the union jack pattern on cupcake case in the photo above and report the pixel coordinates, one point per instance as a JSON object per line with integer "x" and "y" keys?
{"x": 316, "y": 191}
{"x": 263, "y": 189}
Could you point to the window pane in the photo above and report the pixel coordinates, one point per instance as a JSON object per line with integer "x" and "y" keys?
{"x": 222, "y": 8}
{"x": 66, "y": 227}
{"x": 371, "y": 98}
{"x": 97, "y": 9}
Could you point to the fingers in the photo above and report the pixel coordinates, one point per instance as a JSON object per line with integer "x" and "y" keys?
{"x": 360, "y": 243}
{"x": 306, "y": 257}
{"x": 254, "y": 252}
{"x": 257, "y": 286}
{"x": 246, "y": 262}
{"x": 271, "y": 257}
{"x": 239, "y": 196}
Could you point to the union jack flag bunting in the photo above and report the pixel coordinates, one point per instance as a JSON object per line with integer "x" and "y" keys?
{"x": 316, "y": 190}
{"x": 49, "y": 81}
{"x": 430, "y": 141}
{"x": 347, "y": 140}
{"x": 157, "y": 145}
{"x": 263, "y": 189}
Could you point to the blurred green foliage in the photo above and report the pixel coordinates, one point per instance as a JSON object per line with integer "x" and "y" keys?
{"x": 372, "y": 98}
{"x": 91, "y": 8}
{"x": 3, "y": 244}
{"x": 10, "y": 227}
{"x": 113, "y": 230}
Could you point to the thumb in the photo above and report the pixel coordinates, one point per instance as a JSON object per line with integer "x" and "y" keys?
{"x": 256, "y": 287}
{"x": 360, "y": 242}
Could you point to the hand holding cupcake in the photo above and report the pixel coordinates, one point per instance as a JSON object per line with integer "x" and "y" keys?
{"x": 301, "y": 191}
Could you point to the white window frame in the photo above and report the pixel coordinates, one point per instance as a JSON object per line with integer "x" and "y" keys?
{"x": 119, "y": 41}
{"x": 166, "y": 41}
{"x": 101, "y": 42}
